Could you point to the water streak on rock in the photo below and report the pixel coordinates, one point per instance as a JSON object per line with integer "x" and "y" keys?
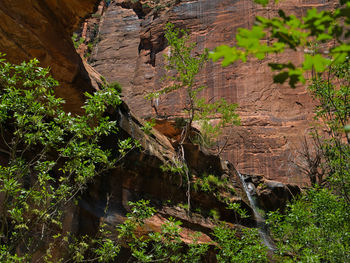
{"x": 249, "y": 189}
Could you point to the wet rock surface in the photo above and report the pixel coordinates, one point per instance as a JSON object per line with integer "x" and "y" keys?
{"x": 271, "y": 195}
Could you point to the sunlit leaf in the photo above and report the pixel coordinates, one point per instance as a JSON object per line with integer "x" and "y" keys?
{"x": 317, "y": 62}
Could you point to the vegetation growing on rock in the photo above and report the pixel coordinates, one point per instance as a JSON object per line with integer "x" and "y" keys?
{"x": 49, "y": 156}
{"x": 315, "y": 227}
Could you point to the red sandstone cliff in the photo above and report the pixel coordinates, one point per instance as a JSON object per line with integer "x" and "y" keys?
{"x": 274, "y": 117}
{"x": 31, "y": 29}
{"x": 43, "y": 29}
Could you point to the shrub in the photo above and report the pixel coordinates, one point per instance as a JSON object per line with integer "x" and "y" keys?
{"x": 50, "y": 157}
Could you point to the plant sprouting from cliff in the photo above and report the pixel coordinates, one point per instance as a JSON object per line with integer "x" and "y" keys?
{"x": 183, "y": 66}
{"x": 47, "y": 157}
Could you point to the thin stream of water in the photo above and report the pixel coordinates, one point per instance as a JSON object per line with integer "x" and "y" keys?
{"x": 263, "y": 229}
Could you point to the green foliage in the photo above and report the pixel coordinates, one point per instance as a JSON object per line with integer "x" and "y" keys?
{"x": 148, "y": 126}
{"x": 77, "y": 41}
{"x": 214, "y": 213}
{"x": 315, "y": 228}
{"x": 99, "y": 248}
{"x": 167, "y": 246}
{"x": 96, "y": 15}
{"x": 163, "y": 246}
{"x": 231, "y": 248}
{"x": 264, "y": 2}
{"x": 184, "y": 206}
{"x": 7, "y": 257}
{"x": 186, "y": 66}
{"x": 181, "y": 171}
{"x": 116, "y": 85}
{"x": 238, "y": 209}
{"x": 332, "y": 92}
{"x": 51, "y": 156}
{"x": 91, "y": 41}
{"x": 95, "y": 38}
{"x": 182, "y": 61}
{"x": 180, "y": 123}
{"x": 209, "y": 183}
{"x": 293, "y": 33}
{"x": 176, "y": 167}
{"x": 226, "y": 115}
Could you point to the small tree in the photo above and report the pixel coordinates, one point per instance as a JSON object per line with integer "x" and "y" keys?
{"x": 331, "y": 90}
{"x": 308, "y": 159}
{"x": 183, "y": 65}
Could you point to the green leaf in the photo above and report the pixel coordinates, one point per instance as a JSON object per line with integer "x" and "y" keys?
{"x": 262, "y": 2}
{"x": 317, "y": 62}
{"x": 323, "y": 37}
{"x": 341, "y": 48}
{"x": 225, "y": 52}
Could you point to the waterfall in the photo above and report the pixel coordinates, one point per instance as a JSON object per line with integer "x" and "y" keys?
{"x": 260, "y": 220}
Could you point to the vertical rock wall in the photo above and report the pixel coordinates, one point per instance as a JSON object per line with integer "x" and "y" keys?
{"x": 274, "y": 117}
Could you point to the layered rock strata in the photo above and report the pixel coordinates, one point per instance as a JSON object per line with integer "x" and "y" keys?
{"x": 274, "y": 117}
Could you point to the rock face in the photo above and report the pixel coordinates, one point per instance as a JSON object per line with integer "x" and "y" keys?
{"x": 32, "y": 29}
{"x": 274, "y": 117}
{"x": 271, "y": 195}
{"x": 142, "y": 176}
{"x": 43, "y": 29}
